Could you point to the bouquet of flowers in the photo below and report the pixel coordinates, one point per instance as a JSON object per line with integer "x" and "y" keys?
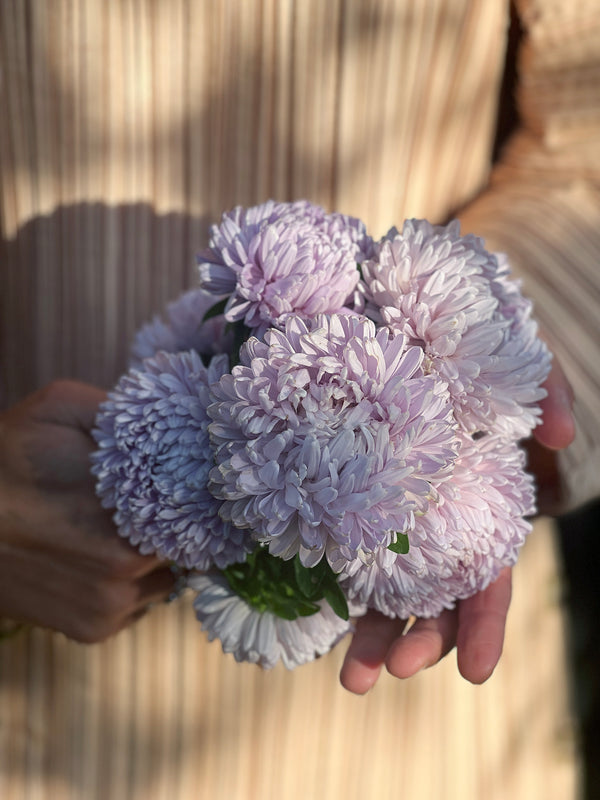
{"x": 327, "y": 424}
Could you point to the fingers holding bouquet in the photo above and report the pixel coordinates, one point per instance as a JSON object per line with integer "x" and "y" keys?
{"x": 476, "y": 626}
{"x": 63, "y": 564}
{"x": 555, "y": 432}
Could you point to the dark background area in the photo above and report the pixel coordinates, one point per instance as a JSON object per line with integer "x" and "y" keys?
{"x": 580, "y": 546}
{"x": 579, "y": 533}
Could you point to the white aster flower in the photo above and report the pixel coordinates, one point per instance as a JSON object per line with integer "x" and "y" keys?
{"x": 262, "y": 637}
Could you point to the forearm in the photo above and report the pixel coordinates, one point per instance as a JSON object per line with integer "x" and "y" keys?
{"x": 542, "y": 209}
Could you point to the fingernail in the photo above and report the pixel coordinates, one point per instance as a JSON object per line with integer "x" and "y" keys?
{"x": 566, "y": 397}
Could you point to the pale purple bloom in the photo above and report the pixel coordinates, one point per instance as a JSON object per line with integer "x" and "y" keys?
{"x": 336, "y": 434}
{"x": 329, "y": 435}
{"x": 183, "y": 329}
{"x": 461, "y": 543}
{"x": 342, "y": 230}
{"x": 281, "y": 259}
{"x": 154, "y": 458}
{"x": 262, "y": 637}
{"x": 447, "y": 294}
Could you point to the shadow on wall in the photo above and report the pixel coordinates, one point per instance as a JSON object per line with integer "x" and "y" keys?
{"x": 78, "y": 283}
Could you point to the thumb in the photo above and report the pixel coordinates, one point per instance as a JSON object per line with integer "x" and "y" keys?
{"x": 70, "y": 403}
{"x": 557, "y": 429}
{"x": 46, "y": 438}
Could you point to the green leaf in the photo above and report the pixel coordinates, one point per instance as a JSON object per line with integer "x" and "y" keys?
{"x": 306, "y": 609}
{"x": 337, "y": 601}
{"x": 401, "y": 545}
{"x": 309, "y": 579}
{"x": 241, "y": 334}
{"x": 285, "y": 587}
{"x": 282, "y": 609}
{"x": 236, "y": 581}
{"x": 215, "y": 310}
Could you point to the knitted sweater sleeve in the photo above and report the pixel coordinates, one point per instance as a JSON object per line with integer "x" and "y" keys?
{"x": 542, "y": 208}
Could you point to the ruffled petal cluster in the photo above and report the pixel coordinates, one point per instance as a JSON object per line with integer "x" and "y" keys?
{"x": 154, "y": 459}
{"x": 328, "y": 435}
{"x": 185, "y": 328}
{"x": 460, "y": 545}
{"x": 447, "y": 294}
{"x": 262, "y": 637}
{"x": 281, "y": 259}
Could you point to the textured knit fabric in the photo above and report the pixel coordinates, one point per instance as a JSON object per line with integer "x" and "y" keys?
{"x": 543, "y": 208}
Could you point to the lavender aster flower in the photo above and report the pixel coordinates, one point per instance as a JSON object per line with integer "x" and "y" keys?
{"x": 184, "y": 329}
{"x": 154, "y": 459}
{"x": 463, "y": 541}
{"x": 342, "y": 230}
{"x": 337, "y": 464}
{"x": 280, "y": 259}
{"x": 329, "y": 435}
{"x": 262, "y": 637}
{"x": 447, "y": 294}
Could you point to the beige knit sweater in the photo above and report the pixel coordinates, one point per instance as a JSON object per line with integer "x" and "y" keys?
{"x": 127, "y": 127}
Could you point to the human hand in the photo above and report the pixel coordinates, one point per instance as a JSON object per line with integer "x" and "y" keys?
{"x": 62, "y": 564}
{"x": 476, "y": 625}
{"x": 556, "y": 432}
